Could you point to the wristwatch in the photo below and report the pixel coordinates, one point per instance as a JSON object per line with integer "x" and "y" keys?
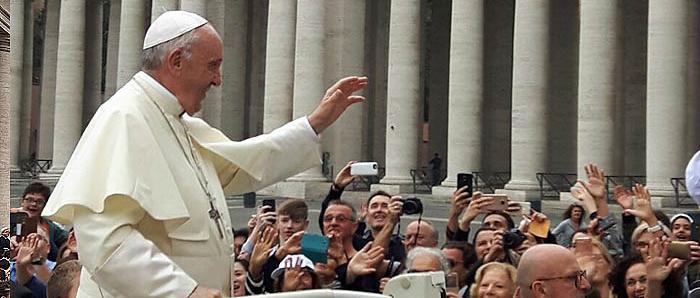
{"x": 654, "y": 229}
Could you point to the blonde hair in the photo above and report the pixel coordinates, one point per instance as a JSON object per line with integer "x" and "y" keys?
{"x": 481, "y": 272}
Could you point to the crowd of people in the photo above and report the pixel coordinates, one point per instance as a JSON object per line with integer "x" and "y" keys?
{"x": 589, "y": 254}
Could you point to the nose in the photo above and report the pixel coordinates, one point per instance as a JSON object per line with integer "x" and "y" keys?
{"x": 216, "y": 80}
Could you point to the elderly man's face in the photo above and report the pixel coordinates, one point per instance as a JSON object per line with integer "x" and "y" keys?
{"x": 423, "y": 237}
{"x": 202, "y": 70}
{"x": 568, "y": 280}
{"x": 681, "y": 229}
{"x": 338, "y": 221}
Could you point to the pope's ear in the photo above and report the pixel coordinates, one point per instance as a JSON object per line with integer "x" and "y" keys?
{"x": 173, "y": 61}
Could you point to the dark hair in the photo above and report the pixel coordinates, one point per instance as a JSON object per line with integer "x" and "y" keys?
{"x": 662, "y": 217}
{"x": 509, "y": 220}
{"x": 570, "y": 209}
{"x": 672, "y": 285}
{"x": 315, "y": 280}
{"x": 377, "y": 193}
{"x": 241, "y": 232}
{"x": 37, "y": 187}
{"x": 295, "y": 208}
{"x": 243, "y": 263}
{"x": 468, "y": 252}
{"x": 476, "y": 234}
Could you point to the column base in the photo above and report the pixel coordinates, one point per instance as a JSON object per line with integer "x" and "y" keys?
{"x": 567, "y": 197}
{"x": 16, "y": 173}
{"x": 662, "y": 196}
{"x": 392, "y": 189}
{"x": 521, "y": 195}
{"x": 308, "y": 190}
{"x": 443, "y": 190}
{"x": 308, "y": 177}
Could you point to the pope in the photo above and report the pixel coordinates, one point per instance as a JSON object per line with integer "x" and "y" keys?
{"x": 145, "y": 187}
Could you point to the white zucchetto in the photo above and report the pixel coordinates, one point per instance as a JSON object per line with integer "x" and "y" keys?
{"x": 171, "y": 24}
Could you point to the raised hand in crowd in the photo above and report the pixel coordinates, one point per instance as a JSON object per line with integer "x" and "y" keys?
{"x": 659, "y": 266}
{"x": 291, "y": 246}
{"x": 365, "y": 262}
{"x": 623, "y": 197}
{"x": 477, "y": 206}
{"x": 496, "y": 252}
{"x": 344, "y": 178}
{"x": 459, "y": 201}
{"x": 643, "y": 209}
{"x": 26, "y": 251}
{"x": 581, "y": 193}
{"x": 261, "y": 251}
{"x": 596, "y": 181}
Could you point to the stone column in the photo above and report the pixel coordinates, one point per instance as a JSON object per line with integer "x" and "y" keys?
{"x": 25, "y": 143}
{"x": 529, "y": 103}
{"x": 233, "y": 106}
{"x": 131, "y": 33}
{"x": 158, "y": 7}
{"x": 309, "y": 67}
{"x": 600, "y": 74}
{"x": 17, "y": 8}
{"x": 279, "y": 64}
{"x": 212, "y": 104}
{"x": 466, "y": 92}
{"x": 69, "y": 78}
{"x": 196, "y": 6}
{"x": 112, "y": 48}
{"x": 666, "y": 97}
{"x": 93, "y": 60}
{"x": 403, "y": 95}
{"x": 48, "y": 80}
{"x": 4, "y": 114}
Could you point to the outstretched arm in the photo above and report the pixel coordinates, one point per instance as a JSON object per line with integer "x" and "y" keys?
{"x": 336, "y": 100}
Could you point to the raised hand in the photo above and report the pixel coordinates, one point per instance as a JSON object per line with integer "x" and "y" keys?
{"x": 496, "y": 250}
{"x": 337, "y": 98}
{"x": 643, "y": 209}
{"x": 476, "y": 207}
{"x": 395, "y": 208}
{"x": 659, "y": 266}
{"x": 460, "y": 199}
{"x": 261, "y": 251}
{"x": 27, "y": 249}
{"x": 291, "y": 246}
{"x": 366, "y": 260}
{"x": 623, "y": 197}
{"x": 580, "y": 192}
{"x": 344, "y": 178}
{"x": 336, "y": 250}
{"x": 596, "y": 181}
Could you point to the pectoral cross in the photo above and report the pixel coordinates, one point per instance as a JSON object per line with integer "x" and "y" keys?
{"x": 216, "y": 217}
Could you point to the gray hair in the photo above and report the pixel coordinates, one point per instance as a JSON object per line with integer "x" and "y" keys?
{"x": 153, "y": 57}
{"x": 431, "y": 252}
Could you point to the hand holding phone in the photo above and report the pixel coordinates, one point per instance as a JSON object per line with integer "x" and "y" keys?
{"x": 679, "y": 249}
{"x": 452, "y": 283}
{"x": 369, "y": 168}
{"x": 315, "y": 247}
{"x": 583, "y": 245}
{"x": 466, "y": 179}
{"x": 498, "y": 202}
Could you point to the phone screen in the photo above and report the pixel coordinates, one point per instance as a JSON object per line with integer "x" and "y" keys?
{"x": 678, "y": 249}
{"x": 466, "y": 179}
{"x": 271, "y": 203}
{"x": 452, "y": 283}
{"x": 315, "y": 247}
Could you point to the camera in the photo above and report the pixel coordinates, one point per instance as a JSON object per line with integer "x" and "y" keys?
{"x": 412, "y": 205}
{"x": 513, "y": 239}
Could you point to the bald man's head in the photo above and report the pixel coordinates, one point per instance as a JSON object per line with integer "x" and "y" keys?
{"x": 549, "y": 270}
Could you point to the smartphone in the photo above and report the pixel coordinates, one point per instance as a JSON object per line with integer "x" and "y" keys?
{"x": 466, "y": 179}
{"x": 369, "y": 168}
{"x": 452, "y": 283}
{"x": 315, "y": 247}
{"x": 21, "y": 224}
{"x": 270, "y": 203}
{"x": 499, "y": 202}
{"x": 583, "y": 244}
{"x": 679, "y": 249}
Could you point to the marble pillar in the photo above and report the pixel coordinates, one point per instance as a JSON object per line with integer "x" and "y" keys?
{"x": 5, "y": 114}
{"x": 131, "y": 32}
{"x": 48, "y": 80}
{"x": 529, "y": 103}
{"x": 112, "y": 48}
{"x": 17, "y": 8}
{"x": 158, "y": 7}
{"x": 279, "y": 64}
{"x": 599, "y": 83}
{"x": 70, "y": 76}
{"x": 666, "y": 97}
{"x": 196, "y": 6}
{"x": 466, "y": 92}
{"x": 234, "y": 69}
{"x": 404, "y": 101}
{"x": 211, "y": 107}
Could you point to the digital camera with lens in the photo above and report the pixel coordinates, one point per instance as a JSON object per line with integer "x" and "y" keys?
{"x": 412, "y": 205}
{"x": 513, "y": 239}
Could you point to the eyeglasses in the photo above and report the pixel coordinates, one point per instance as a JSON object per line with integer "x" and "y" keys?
{"x": 38, "y": 202}
{"x": 340, "y": 219}
{"x": 577, "y": 278}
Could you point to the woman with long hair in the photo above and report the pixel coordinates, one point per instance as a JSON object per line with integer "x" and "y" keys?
{"x": 573, "y": 221}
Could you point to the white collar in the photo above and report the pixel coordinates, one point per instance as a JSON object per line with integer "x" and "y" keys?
{"x": 170, "y": 103}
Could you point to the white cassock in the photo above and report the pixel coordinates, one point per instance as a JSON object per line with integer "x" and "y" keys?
{"x": 136, "y": 187}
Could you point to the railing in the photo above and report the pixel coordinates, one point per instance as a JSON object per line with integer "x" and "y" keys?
{"x": 626, "y": 181}
{"x": 363, "y": 183}
{"x": 33, "y": 167}
{"x": 488, "y": 182}
{"x": 421, "y": 181}
{"x": 552, "y": 184}
{"x": 678, "y": 187}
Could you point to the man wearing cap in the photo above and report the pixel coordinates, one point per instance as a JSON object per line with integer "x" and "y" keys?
{"x": 145, "y": 188}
